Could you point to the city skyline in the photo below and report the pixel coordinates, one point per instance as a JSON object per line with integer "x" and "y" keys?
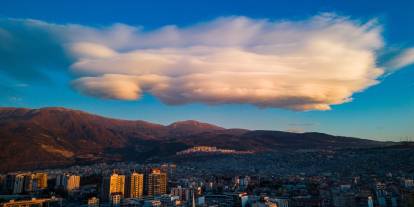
{"x": 333, "y": 67}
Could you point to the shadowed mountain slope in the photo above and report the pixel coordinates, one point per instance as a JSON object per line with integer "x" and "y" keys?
{"x": 49, "y": 137}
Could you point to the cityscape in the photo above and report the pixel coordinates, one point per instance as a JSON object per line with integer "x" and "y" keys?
{"x": 206, "y": 103}
{"x": 168, "y": 184}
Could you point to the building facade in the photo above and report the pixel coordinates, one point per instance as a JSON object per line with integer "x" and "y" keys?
{"x": 157, "y": 183}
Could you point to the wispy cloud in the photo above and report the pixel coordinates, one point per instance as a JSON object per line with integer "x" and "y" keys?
{"x": 300, "y": 65}
{"x": 404, "y": 58}
{"x": 28, "y": 49}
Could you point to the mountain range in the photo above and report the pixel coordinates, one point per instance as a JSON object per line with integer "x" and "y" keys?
{"x": 53, "y": 137}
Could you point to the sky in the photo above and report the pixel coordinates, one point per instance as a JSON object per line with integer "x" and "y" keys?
{"x": 339, "y": 67}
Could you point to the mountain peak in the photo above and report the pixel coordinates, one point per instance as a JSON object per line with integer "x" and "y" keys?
{"x": 54, "y": 108}
{"x": 194, "y": 123}
{"x": 192, "y": 126}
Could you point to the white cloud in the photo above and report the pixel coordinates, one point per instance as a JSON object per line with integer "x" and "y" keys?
{"x": 307, "y": 65}
{"x": 300, "y": 65}
{"x": 90, "y": 50}
{"x": 403, "y": 59}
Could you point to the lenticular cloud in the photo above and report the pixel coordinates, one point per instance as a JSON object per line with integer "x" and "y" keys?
{"x": 300, "y": 65}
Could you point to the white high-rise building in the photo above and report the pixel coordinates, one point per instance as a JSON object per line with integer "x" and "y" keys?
{"x": 117, "y": 184}
{"x": 135, "y": 185}
{"x": 73, "y": 182}
{"x": 18, "y": 186}
{"x": 68, "y": 182}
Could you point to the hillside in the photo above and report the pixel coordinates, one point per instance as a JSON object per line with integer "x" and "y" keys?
{"x": 48, "y": 137}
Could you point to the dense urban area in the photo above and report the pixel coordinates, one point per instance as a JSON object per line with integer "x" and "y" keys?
{"x": 218, "y": 177}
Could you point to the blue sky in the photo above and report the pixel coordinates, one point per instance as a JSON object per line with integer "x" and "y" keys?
{"x": 383, "y": 111}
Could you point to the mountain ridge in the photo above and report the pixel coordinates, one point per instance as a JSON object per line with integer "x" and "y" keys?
{"x": 61, "y": 136}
